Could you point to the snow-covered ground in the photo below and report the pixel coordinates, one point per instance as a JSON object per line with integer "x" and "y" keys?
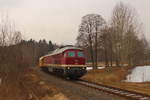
{"x": 139, "y": 74}
{"x": 90, "y": 68}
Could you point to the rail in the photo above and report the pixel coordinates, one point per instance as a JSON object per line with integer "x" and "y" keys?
{"x": 116, "y": 91}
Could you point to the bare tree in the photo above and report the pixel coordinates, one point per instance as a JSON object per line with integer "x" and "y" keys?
{"x": 106, "y": 40}
{"x": 89, "y": 30}
{"x": 9, "y": 54}
{"x": 8, "y": 33}
{"x": 125, "y": 32}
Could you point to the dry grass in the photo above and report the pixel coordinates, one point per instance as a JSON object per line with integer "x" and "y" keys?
{"x": 59, "y": 96}
{"x": 114, "y": 77}
{"x": 30, "y": 87}
{"x": 112, "y": 74}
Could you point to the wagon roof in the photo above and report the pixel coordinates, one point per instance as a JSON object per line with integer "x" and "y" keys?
{"x": 60, "y": 50}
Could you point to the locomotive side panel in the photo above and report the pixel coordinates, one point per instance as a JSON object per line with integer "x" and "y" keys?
{"x": 58, "y": 58}
{"x": 48, "y": 60}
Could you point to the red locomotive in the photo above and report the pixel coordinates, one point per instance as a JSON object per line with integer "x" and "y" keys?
{"x": 68, "y": 61}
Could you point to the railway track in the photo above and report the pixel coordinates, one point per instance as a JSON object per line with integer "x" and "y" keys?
{"x": 111, "y": 90}
{"x": 116, "y": 91}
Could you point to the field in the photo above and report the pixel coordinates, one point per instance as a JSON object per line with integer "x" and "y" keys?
{"x": 115, "y": 77}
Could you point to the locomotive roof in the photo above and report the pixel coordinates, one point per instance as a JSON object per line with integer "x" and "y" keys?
{"x": 60, "y": 50}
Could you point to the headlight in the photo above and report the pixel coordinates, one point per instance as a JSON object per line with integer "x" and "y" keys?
{"x": 83, "y": 67}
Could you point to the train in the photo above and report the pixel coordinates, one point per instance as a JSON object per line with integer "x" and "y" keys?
{"x": 67, "y": 61}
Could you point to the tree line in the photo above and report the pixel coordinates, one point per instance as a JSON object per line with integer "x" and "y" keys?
{"x": 118, "y": 42}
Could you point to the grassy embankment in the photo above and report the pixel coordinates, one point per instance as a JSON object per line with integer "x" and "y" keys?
{"x": 115, "y": 77}
{"x": 30, "y": 87}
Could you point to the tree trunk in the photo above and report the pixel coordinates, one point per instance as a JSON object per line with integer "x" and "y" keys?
{"x": 91, "y": 51}
{"x": 106, "y": 58}
{"x": 111, "y": 57}
{"x": 96, "y": 50}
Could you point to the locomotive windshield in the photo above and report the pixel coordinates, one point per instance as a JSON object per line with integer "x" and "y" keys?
{"x": 71, "y": 54}
{"x": 74, "y": 54}
{"x": 80, "y": 54}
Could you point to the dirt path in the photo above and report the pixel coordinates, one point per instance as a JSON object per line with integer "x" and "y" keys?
{"x": 77, "y": 92}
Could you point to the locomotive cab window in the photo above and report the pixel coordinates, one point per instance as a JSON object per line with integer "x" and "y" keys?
{"x": 71, "y": 54}
{"x": 80, "y": 54}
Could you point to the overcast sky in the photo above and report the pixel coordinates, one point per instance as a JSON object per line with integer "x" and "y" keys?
{"x": 58, "y": 20}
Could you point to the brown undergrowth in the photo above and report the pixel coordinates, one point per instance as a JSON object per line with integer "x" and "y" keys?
{"x": 115, "y": 77}
{"x": 30, "y": 87}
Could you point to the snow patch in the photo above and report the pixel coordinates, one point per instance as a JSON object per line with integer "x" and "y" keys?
{"x": 139, "y": 74}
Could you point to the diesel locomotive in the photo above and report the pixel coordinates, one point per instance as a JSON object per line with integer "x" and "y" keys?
{"x": 68, "y": 61}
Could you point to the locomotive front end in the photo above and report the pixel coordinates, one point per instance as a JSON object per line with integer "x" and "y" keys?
{"x": 75, "y": 61}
